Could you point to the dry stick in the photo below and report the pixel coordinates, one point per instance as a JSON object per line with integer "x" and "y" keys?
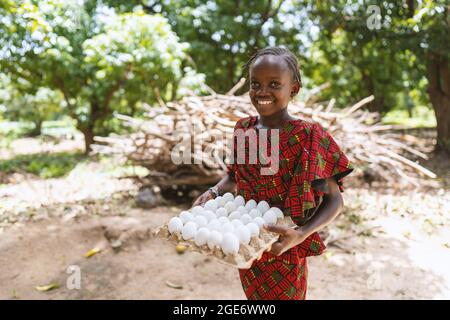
{"x": 236, "y": 87}
{"x": 210, "y": 90}
{"x": 416, "y": 166}
{"x": 314, "y": 93}
{"x": 403, "y": 146}
{"x": 358, "y": 105}
{"x": 407, "y": 178}
{"x": 388, "y": 127}
{"x": 330, "y": 105}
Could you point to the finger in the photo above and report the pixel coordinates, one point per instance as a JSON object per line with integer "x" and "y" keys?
{"x": 276, "y": 229}
{"x": 201, "y": 200}
{"x": 198, "y": 202}
{"x": 277, "y": 248}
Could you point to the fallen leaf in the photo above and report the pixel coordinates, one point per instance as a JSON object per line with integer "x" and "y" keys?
{"x": 14, "y": 294}
{"x": 180, "y": 248}
{"x": 91, "y": 252}
{"x": 173, "y": 285}
{"x": 49, "y": 287}
{"x": 328, "y": 255}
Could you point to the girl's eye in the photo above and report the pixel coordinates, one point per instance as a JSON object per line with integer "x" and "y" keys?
{"x": 254, "y": 85}
{"x": 274, "y": 84}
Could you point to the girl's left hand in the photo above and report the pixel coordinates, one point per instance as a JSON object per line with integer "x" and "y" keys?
{"x": 288, "y": 238}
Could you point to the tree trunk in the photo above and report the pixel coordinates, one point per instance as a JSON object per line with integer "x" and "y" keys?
{"x": 37, "y": 130}
{"x": 439, "y": 92}
{"x": 377, "y": 105}
{"x": 88, "y": 128}
{"x": 88, "y": 134}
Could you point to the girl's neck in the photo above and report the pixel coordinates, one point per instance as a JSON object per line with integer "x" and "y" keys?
{"x": 274, "y": 120}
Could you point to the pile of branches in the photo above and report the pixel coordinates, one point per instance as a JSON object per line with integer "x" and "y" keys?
{"x": 370, "y": 146}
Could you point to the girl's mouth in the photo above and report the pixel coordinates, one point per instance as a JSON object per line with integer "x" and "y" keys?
{"x": 264, "y": 102}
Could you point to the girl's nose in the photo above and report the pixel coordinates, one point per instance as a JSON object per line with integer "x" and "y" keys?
{"x": 263, "y": 90}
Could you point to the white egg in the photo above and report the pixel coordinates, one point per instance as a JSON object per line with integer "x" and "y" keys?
{"x": 236, "y": 223}
{"x": 201, "y": 236}
{"x": 222, "y": 202}
{"x": 259, "y": 221}
{"x": 255, "y": 213}
{"x": 234, "y": 215}
{"x": 239, "y": 201}
{"x": 223, "y": 220}
{"x": 246, "y": 218}
{"x": 188, "y": 231}
{"x": 228, "y": 197}
{"x": 183, "y": 213}
{"x": 200, "y": 221}
{"x": 227, "y": 227}
{"x": 242, "y": 210}
{"x": 209, "y": 215}
{"x": 186, "y": 217}
{"x": 211, "y": 205}
{"x": 243, "y": 234}
{"x": 197, "y": 210}
{"x": 175, "y": 225}
{"x": 263, "y": 206}
{"x": 278, "y": 212}
{"x": 214, "y": 225}
{"x": 270, "y": 217}
{"x": 217, "y": 200}
{"x": 253, "y": 228}
{"x": 221, "y": 212}
{"x": 230, "y": 206}
{"x": 251, "y": 204}
{"x": 230, "y": 243}
{"x": 214, "y": 239}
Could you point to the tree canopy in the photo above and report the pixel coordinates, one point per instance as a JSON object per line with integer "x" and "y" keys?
{"x": 106, "y": 56}
{"x": 98, "y": 59}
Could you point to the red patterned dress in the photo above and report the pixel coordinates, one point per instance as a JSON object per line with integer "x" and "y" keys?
{"x": 307, "y": 155}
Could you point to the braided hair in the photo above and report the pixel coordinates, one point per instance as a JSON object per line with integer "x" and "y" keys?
{"x": 284, "y": 53}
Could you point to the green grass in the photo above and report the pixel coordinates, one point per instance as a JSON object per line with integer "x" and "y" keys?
{"x": 12, "y": 129}
{"x": 44, "y": 165}
{"x": 118, "y": 169}
{"x": 59, "y": 127}
{"x": 422, "y": 117}
{"x": 19, "y": 129}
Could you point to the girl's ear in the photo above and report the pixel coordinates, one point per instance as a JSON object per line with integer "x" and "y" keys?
{"x": 295, "y": 89}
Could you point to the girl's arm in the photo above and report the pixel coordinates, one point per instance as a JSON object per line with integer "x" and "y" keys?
{"x": 328, "y": 210}
{"x": 227, "y": 184}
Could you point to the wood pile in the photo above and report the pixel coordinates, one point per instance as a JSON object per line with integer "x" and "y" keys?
{"x": 372, "y": 147}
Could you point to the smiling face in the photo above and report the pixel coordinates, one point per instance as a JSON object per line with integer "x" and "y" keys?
{"x": 271, "y": 84}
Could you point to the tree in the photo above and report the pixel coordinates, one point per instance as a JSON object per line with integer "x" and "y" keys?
{"x": 28, "y": 103}
{"x": 223, "y": 34}
{"x": 392, "y": 46}
{"x": 90, "y": 54}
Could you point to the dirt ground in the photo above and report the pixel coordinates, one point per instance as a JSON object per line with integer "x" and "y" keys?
{"x": 388, "y": 244}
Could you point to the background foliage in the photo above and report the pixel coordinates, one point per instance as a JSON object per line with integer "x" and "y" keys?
{"x": 88, "y": 59}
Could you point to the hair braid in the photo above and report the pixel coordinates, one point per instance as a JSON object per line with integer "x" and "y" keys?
{"x": 284, "y": 53}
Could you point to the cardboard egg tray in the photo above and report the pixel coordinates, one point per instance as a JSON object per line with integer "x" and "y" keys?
{"x": 247, "y": 252}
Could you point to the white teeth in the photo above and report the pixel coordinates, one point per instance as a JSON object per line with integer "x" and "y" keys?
{"x": 264, "y": 102}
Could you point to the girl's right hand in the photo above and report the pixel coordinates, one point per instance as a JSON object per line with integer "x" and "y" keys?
{"x": 203, "y": 198}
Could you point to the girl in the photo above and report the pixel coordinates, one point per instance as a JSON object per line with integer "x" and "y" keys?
{"x": 307, "y": 186}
